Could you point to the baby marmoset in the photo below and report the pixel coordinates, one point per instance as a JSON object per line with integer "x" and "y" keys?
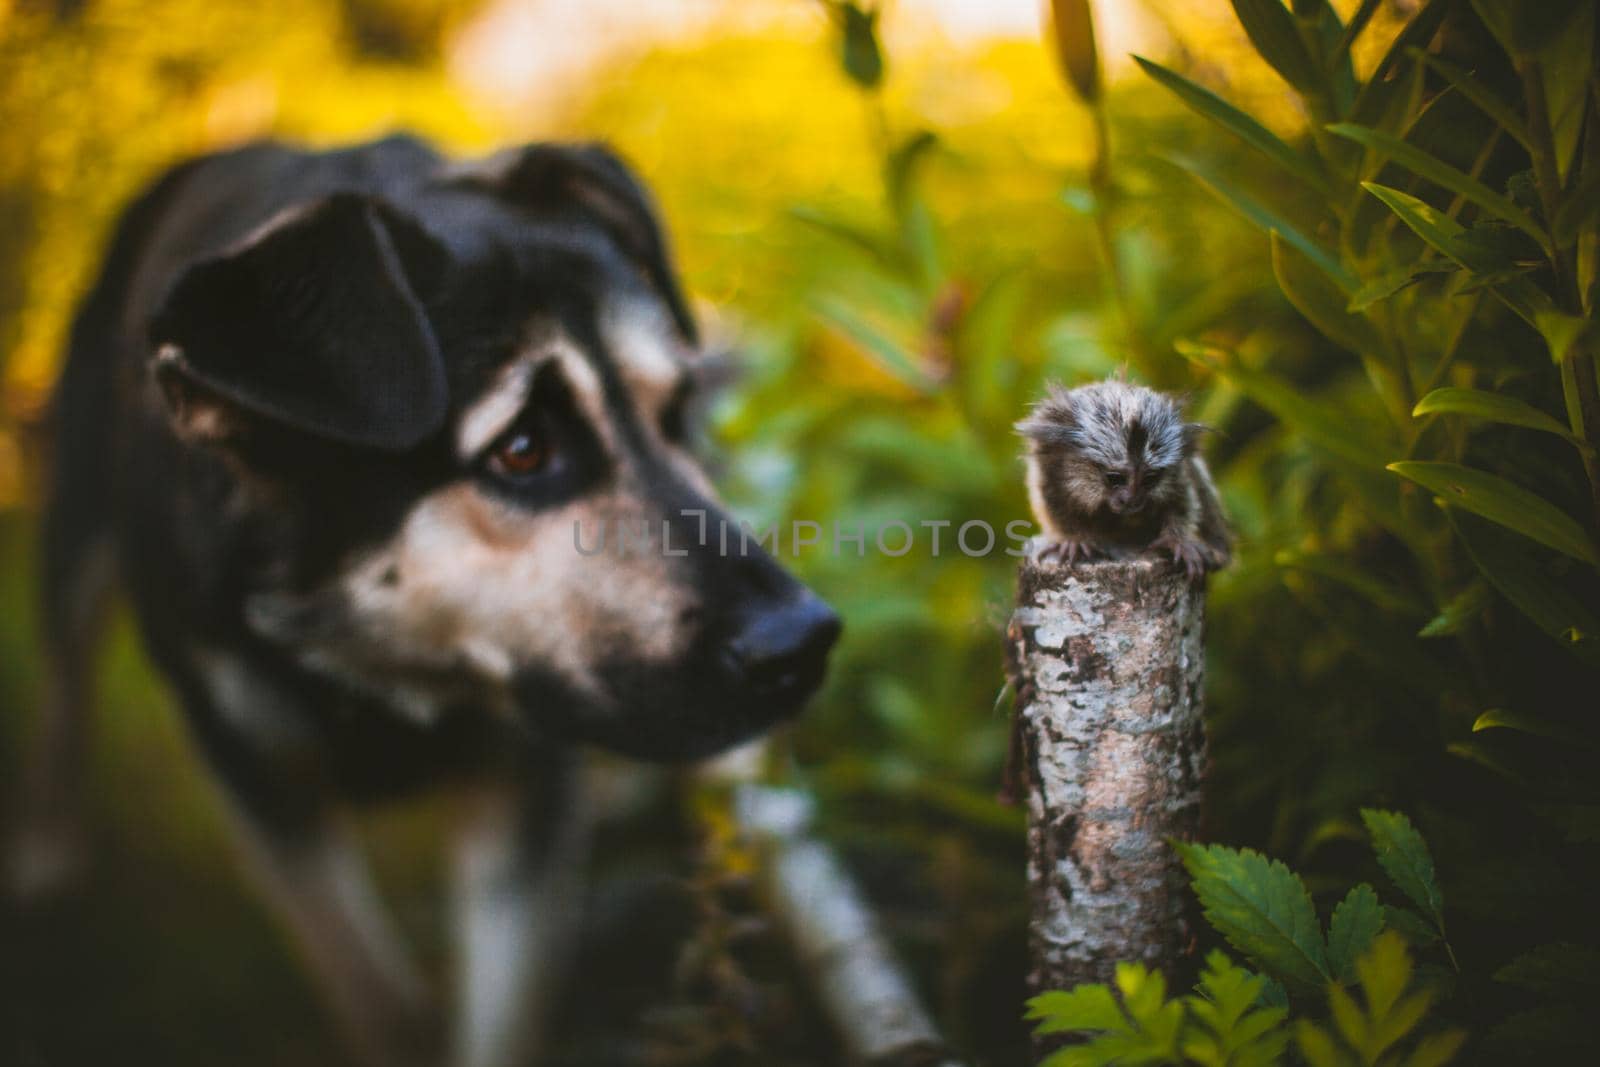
{"x": 1113, "y": 469}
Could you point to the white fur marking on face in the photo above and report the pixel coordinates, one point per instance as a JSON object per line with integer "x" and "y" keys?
{"x": 642, "y": 342}
{"x": 483, "y": 421}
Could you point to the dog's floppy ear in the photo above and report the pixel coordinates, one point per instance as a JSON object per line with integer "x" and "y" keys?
{"x": 591, "y": 179}
{"x": 316, "y": 323}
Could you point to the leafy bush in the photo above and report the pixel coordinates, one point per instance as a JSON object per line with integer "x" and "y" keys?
{"x": 1239, "y": 1019}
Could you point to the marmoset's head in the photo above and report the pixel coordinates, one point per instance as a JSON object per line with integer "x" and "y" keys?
{"x": 1110, "y": 445}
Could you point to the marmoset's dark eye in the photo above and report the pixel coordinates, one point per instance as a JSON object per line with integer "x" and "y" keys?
{"x": 1152, "y": 477}
{"x": 1116, "y": 478}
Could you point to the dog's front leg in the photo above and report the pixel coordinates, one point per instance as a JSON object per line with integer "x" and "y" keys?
{"x": 314, "y": 877}
{"x": 519, "y": 880}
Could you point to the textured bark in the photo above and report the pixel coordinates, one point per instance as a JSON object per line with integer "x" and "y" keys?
{"x": 1107, "y": 659}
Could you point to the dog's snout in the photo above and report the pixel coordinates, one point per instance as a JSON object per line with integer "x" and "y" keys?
{"x": 784, "y": 650}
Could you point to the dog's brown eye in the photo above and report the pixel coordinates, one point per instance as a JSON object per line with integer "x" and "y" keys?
{"x": 520, "y": 453}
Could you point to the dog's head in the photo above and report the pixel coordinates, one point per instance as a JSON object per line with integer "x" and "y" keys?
{"x": 437, "y": 406}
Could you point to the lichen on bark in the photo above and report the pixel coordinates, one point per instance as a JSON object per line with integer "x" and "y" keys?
{"x": 1108, "y": 662}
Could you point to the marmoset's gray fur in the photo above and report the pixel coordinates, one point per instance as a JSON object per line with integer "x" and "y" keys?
{"x": 1113, "y": 469}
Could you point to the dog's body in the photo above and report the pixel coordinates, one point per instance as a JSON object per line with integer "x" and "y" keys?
{"x": 334, "y": 417}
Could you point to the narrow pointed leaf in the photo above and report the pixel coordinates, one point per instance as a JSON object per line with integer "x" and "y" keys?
{"x": 1490, "y": 407}
{"x": 1072, "y": 32}
{"x": 1502, "y": 502}
{"x": 1442, "y": 174}
{"x": 1524, "y": 723}
{"x": 1520, "y": 577}
{"x": 1241, "y": 125}
{"x": 1462, "y": 608}
{"x": 1272, "y": 30}
{"x": 1269, "y": 221}
{"x": 1470, "y": 86}
{"x": 1386, "y": 285}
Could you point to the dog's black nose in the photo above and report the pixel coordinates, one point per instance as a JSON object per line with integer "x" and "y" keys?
{"x": 783, "y": 651}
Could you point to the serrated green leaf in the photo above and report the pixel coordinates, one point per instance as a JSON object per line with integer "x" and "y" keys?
{"x": 1560, "y": 969}
{"x": 1268, "y": 221}
{"x": 1356, "y": 922}
{"x": 1476, "y": 91}
{"x": 1241, "y": 125}
{"x": 1087, "y": 1007}
{"x": 1436, "y": 1050}
{"x": 1405, "y": 858}
{"x": 1318, "y": 1046}
{"x": 1261, "y": 908}
{"x": 1442, "y": 174}
{"x": 1413, "y": 927}
{"x": 1502, "y": 502}
{"x": 1530, "y": 587}
{"x": 1273, "y": 32}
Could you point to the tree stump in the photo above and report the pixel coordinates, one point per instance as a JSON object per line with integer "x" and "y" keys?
{"x": 1107, "y": 659}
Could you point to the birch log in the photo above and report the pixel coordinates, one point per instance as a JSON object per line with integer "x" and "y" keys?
{"x": 1107, "y": 659}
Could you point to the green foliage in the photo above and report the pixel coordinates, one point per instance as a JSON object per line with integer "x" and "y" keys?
{"x": 1227, "y": 1021}
{"x": 1263, "y": 909}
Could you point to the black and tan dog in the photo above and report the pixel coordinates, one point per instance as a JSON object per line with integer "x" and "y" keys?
{"x": 332, "y": 418}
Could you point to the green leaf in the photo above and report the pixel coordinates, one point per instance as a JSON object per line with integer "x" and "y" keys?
{"x": 1502, "y": 502}
{"x": 1567, "y": 65}
{"x": 879, "y": 346}
{"x": 1560, "y": 331}
{"x": 1086, "y": 1007}
{"x": 1412, "y": 926}
{"x": 1352, "y": 30}
{"x": 1473, "y": 88}
{"x": 1522, "y": 722}
{"x": 1490, "y": 407}
{"x": 1559, "y": 970}
{"x": 1523, "y": 28}
{"x": 1436, "y": 1050}
{"x": 1325, "y": 426}
{"x": 1269, "y": 221}
{"x": 1324, "y": 307}
{"x": 1373, "y": 102}
{"x": 1339, "y": 568}
{"x": 1443, "y": 175}
{"x": 1318, "y": 1046}
{"x": 1273, "y": 32}
{"x": 1072, "y": 26}
{"x": 860, "y": 52}
{"x": 1390, "y": 283}
{"x": 1261, "y": 908}
{"x": 1356, "y": 922}
{"x": 1462, "y": 608}
{"x": 1405, "y": 859}
{"x": 1247, "y": 129}
{"x": 1442, "y": 232}
{"x": 1531, "y": 587}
